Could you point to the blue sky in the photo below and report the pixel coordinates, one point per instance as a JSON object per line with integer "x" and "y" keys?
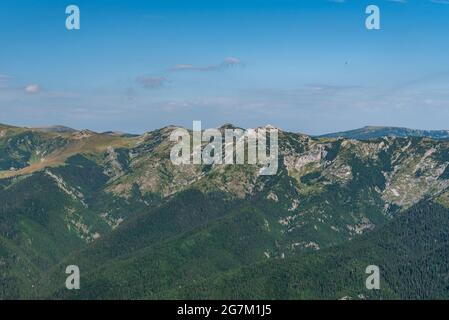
{"x": 305, "y": 66}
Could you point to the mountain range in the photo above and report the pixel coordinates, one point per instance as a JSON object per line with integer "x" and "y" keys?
{"x": 370, "y": 132}
{"x": 140, "y": 227}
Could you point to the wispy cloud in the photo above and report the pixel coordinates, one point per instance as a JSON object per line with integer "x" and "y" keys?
{"x": 4, "y": 80}
{"x": 440, "y": 1}
{"x": 151, "y": 82}
{"x": 324, "y": 87}
{"x": 226, "y": 63}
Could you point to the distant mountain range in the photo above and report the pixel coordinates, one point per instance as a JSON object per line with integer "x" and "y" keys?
{"x": 365, "y": 133}
{"x": 140, "y": 227}
{"x": 370, "y": 132}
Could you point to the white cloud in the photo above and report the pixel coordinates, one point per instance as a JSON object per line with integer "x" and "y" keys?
{"x": 32, "y": 89}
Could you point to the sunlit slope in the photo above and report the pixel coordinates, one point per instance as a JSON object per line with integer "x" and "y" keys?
{"x": 140, "y": 227}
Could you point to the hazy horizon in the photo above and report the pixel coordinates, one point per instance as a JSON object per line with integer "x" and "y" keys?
{"x": 206, "y": 127}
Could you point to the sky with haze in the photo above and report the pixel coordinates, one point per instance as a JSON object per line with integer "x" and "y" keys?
{"x": 302, "y": 65}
